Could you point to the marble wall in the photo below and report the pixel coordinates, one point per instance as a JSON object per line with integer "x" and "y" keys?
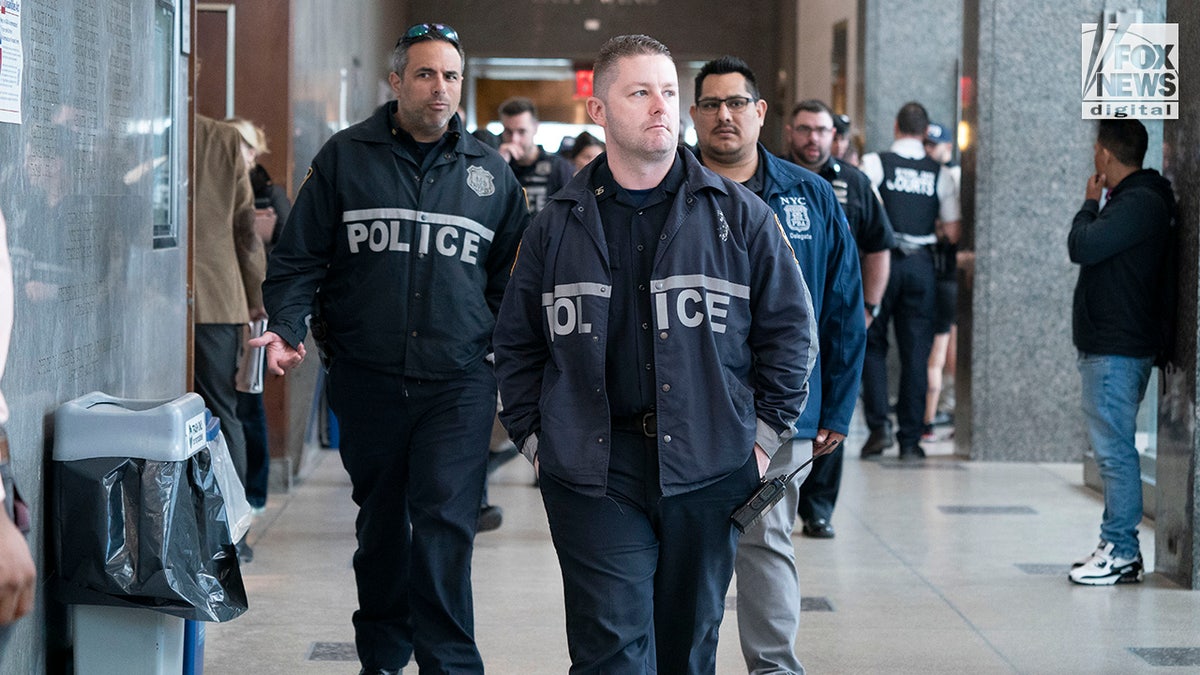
{"x": 911, "y": 53}
{"x": 1177, "y": 549}
{"x": 1023, "y": 180}
{"x": 94, "y": 191}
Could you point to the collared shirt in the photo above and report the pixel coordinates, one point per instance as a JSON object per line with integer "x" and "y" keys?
{"x": 418, "y": 150}
{"x": 632, "y": 228}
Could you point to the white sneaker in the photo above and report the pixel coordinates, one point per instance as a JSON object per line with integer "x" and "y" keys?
{"x": 1102, "y": 569}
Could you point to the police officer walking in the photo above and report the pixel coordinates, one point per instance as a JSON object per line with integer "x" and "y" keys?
{"x": 404, "y": 232}
{"x": 652, "y": 350}
{"x": 811, "y": 144}
{"x": 921, "y": 199}
{"x": 728, "y": 114}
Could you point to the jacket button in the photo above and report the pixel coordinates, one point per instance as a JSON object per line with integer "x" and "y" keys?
{"x": 666, "y": 438}
{"x": 600, "y": 440}
{"x": 666, "y": 387}
{"x": 579, "y": 209}
{"x": 663, "y": 335}
{"x": 414, "y": 333}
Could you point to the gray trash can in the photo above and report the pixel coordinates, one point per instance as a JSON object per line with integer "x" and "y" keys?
{"x": 137, "y": 551}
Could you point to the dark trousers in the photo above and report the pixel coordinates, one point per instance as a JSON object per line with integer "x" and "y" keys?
{"x": 909, "y": 303}
{"x": 258, "y": 456}
{"x": 819, "y": 492}
{"x": 416, "y": 452}
{"x": 215, "y": 369}
{"x": 644, "y": 576}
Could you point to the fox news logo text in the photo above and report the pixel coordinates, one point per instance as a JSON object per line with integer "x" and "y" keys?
{"x": 1130, "y": 71}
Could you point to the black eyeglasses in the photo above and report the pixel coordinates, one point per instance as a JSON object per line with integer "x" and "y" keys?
{"x": 736, "y": 104}
{"x": 430, "y": 31}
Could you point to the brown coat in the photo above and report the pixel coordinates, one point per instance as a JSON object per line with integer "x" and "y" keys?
{"x": 229, "y": 260}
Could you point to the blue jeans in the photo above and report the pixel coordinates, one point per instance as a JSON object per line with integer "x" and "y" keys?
{"x": 1113, "y": 387}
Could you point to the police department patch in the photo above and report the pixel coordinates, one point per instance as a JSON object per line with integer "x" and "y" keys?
{"x": 797, "y": 218}
{"x": 481, "y": 181}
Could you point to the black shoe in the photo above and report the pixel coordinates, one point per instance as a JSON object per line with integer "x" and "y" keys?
{"x": 818, "y": 528}
{"x": 378, "y": 671}
{"x": 910, "y": 452}
{"x": 879, "y": 440}
{"x": 490, "y": 518}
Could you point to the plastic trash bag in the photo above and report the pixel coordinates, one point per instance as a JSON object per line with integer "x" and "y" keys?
{"x": 237, "y": 507}
{"x": 132, "y": 532}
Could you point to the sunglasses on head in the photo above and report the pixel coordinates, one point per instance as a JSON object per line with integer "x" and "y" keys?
{"x": 431, "y": 31}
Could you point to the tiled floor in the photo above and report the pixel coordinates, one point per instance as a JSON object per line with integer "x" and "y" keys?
{"x": 946, "y": 567}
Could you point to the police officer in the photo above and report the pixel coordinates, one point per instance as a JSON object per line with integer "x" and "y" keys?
{"x": 539, "y": 172}
{"x": 404, "y": 231}
{"x": 728, "y": 114}
{"x": 812, "y": 146}
{"x": 652, "y": 350}
{"x": 922, "y": 203}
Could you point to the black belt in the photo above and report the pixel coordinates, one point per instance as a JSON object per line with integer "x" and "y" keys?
{"x": 645, "y": 424}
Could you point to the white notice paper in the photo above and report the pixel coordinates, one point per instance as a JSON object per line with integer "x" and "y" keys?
{"x": 11, "y": 61}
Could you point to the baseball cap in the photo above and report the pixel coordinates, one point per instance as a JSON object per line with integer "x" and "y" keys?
{"x": 841, "y": 124}
{"x": 936, "y": 133}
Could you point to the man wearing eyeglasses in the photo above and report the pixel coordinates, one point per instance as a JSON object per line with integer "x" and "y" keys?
{"x": 728, "y": 114}
{"x": 653, "y": 350}
{"x": 810, "y": 140}
{"x": 404, "y": 232}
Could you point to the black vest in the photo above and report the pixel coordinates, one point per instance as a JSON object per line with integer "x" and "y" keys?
{"x": 909, "y": 192}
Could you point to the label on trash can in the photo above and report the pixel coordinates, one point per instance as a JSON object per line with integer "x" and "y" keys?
{"x": 195, "y": 433}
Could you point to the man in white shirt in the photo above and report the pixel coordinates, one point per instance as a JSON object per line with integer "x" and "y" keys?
{"x": 921, "y": 199}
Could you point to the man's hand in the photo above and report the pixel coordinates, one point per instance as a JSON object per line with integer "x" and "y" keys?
{"x": 826, "y": 442}
{"x": 764, "y": 462}
{"x": 281, "y": 357}
{"x": 18, "y": 576}
{"x": 511, "y": 152}
{"x": 1095, "y": 186}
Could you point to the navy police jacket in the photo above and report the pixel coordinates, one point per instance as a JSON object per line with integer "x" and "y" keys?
{"x": 408, "y": 261}
{"x": 817, "y": 229}
{"x": 734, "y": 335}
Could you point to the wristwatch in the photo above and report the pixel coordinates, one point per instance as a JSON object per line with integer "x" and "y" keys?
{"x": 873, "y": 310}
